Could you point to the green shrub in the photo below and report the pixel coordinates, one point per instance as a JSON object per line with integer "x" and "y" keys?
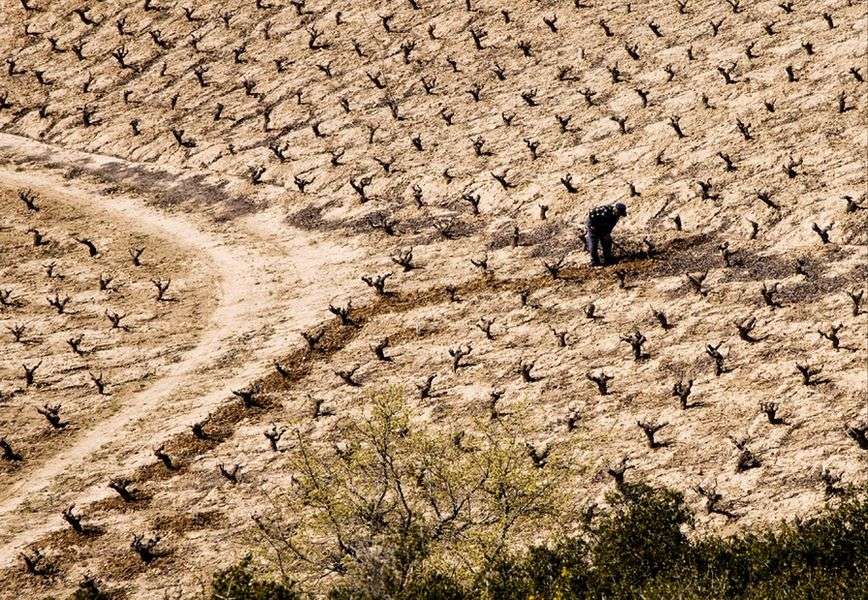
{"x": 820, "y": 557}
{"x": 638, "y": 539}
{"x": 432, "y": 587}
{"x": 638, "y": 548}
{"x": 560, "y": 572}
{"x": 239, "y": 583}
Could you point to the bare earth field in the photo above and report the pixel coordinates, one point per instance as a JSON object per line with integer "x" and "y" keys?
{"x": 188, "y": 187}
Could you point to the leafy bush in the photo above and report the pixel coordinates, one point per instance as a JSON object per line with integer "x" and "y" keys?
{"x": 637, "y": 549}
{"x": 639, "y": 538}
{"x": 238, "y": 582}
{"x": 822, "y": 557}
{"x": 432, "y": 587}
{"x": 636, "y": 540}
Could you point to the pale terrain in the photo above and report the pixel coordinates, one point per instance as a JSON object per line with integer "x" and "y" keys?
{"x": 253, "y": 264}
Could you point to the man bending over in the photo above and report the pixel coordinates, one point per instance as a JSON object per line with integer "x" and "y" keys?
{"x": 601, "y": 221}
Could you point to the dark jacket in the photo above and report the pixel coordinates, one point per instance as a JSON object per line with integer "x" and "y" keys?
{"x": 602, "y": 219}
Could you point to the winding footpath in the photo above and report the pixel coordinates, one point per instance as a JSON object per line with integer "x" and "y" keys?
{"x": 268, "y": 285}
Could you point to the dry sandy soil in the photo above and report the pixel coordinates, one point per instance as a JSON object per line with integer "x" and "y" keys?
{"x": 241, "y": 188}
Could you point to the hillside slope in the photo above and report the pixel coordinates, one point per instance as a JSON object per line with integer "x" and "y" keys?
{"x": 269, "y": 155}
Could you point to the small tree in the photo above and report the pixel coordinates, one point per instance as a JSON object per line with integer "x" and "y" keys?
{"x": 396, "y": 501}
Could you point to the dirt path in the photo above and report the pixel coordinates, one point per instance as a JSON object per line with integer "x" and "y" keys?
{"x": 255, "y": 313}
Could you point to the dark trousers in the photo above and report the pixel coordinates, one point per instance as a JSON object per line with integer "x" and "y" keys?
{"x": 596, "y": 239}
